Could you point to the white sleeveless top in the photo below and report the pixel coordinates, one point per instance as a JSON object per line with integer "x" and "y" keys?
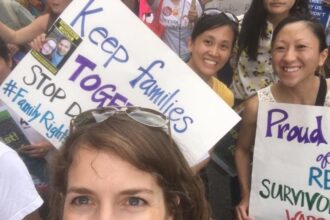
{"x": 265, "y": 95}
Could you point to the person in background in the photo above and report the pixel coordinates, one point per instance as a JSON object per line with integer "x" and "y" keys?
{"x": 35, "y": 153}
{"x": 252, "y": 67}
{"x": 299, "y": 50}
{"x": 177, "y": 17}
{"x": 19, "y": 199}
{"x": 210, "y": 45}
{"x": 36, "y": 7}
{"x": 14, "y": 15}
{"x": 38, "y": 26}
{"x": 326, "y": 2}
{"x": 121, "y": 164}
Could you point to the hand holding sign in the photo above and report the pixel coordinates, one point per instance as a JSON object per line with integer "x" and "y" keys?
{"x": 40, "y": 149}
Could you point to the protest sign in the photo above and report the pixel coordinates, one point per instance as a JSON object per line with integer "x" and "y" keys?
{"x": 320, "y": 11}
{"x": 113, "y": 59}
{"x": 10, "y": 133}
{"x": 291, "y": 163}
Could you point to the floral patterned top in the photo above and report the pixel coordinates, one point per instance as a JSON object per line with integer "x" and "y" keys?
{"x": 265, "y": 95}
{"x": 248, "y": 75}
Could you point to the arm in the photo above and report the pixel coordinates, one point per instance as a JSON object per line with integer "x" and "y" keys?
{"x": 19, "y": 196}
{"x": 25, "y": 34}
{"x": 24, "y": 16}
{"x": 40, "y": 149}
{"x": 243, "y": 155}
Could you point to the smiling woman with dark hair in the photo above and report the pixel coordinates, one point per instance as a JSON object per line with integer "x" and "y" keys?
{"x": 252, "y": 66}
{"x": 299, "y": 50}
{"x": 210, "y": 45}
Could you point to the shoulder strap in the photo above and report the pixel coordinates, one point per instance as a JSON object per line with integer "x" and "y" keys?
{"x": 322, "y": 92}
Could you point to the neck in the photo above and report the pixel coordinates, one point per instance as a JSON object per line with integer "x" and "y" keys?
{"x": 275, "y": 19}
{"x": 298, "y": 94}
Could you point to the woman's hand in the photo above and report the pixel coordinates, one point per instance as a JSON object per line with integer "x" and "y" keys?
{"x": 38, "y": 42}
{"x": 241, "y": 210}
{"x": 39, "y": 149}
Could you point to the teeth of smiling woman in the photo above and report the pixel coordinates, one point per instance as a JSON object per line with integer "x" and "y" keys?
{"x": 291, "y": 69}
{"x": 210, "y": 62}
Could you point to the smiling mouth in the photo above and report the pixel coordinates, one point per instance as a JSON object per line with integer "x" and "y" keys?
{"x": 211, "y": 62}
{"x": 276, "y": 4}
{"x": 291, "y": 69}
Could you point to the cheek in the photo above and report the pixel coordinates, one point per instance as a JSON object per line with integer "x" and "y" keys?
{"x": 225, "y": 56}
{"x": 292, "y": 4}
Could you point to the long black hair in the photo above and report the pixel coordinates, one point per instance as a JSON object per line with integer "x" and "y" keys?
{"x": 254, "y": 26}
{"x": 212, "y": 21}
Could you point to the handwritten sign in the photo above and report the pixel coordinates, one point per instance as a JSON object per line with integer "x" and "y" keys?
{"x": 291, "y": 165}
{"x": 113, "y": 59}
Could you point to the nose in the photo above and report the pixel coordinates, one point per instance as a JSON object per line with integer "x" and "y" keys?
{"x": 106, "y": 212}
{"x": 214, "y": 51}
{"x": 290, "y": 55}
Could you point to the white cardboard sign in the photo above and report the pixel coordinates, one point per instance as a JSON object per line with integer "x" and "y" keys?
{"x": 114, "y": 60}
{"x": 291, "y": 164}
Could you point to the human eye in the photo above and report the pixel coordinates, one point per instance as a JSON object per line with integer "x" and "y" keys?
{"x": 81, "y": 200}
{"x": 224, "y": 47}
{"x": 135, "y": 201}
{"x": 207, "y": 42}
{"x": 301, "y": 46}
{"x": 279, "y": 48}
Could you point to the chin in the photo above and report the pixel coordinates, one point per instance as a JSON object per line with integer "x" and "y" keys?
{"x": 209, "y": 72}
{"x": 288, "y": 83}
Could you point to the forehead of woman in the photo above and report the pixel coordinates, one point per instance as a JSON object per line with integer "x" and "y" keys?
{"x": 295, "y": 28}
{"x": 313, "y": 27}
{"x": 210, "y": 22}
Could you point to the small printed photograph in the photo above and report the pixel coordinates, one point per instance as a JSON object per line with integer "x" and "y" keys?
{"x": 61, "y": 42}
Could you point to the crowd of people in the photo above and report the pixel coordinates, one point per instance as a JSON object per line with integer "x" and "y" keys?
{"x": 123, "y": 164}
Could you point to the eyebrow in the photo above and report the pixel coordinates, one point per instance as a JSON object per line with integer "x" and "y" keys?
{"x": 80, "y": 190}
{"x": 83, "y": 190}
{"x": 136, "y": 191}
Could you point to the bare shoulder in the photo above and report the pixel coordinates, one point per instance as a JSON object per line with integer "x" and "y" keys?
{"x": 251, "y": 109}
